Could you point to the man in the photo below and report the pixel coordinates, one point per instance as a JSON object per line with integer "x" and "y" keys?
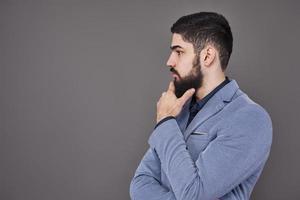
{"x": 211, "y": 141}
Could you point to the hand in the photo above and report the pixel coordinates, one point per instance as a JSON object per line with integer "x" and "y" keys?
{"x": 169, "y": 104}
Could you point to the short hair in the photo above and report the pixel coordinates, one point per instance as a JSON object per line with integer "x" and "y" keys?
{"x": 204, "y": 28}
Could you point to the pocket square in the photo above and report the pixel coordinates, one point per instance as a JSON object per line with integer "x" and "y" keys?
{"x": 198, "y": 133}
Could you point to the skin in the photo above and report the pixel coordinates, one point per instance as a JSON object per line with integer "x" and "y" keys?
{"x": 181, "y": 59}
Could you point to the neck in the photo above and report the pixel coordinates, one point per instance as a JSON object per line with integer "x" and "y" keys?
{"x": 209, "y": 83}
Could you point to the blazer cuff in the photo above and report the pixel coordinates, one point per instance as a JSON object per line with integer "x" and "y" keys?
{"x": 163, "y": 120}
{"x": 163, "y": 133}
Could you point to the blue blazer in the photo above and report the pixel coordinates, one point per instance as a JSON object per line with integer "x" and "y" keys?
{"x": 220, "y": 155}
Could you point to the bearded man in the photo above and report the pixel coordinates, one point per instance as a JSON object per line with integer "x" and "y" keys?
{"x": 211, "y": 141}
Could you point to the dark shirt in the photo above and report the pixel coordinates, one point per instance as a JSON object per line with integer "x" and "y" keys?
{"x": 195, "y": 106}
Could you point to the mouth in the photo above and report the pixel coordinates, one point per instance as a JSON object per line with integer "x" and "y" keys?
{"x": 175, "y": 76}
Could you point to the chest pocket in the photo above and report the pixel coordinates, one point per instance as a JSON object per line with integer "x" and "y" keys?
{"x": 196, "y": 143}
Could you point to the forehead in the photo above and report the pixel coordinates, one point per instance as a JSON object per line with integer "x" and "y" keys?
{"x": 179, "y": 43}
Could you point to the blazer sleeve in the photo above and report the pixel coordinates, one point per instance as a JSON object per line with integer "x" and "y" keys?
{"x": 146, "y": 183}
{"x": 241, "y": 146}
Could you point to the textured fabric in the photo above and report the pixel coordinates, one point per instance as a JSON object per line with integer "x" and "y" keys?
{"x": 219, "y": 155}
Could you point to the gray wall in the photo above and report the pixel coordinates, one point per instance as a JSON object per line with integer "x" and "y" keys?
{"x": 80, "y": 81}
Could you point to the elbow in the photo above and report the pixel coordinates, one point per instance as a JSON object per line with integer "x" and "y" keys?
{"x": 136, "y": 188}
{"x": 132, "y": 189}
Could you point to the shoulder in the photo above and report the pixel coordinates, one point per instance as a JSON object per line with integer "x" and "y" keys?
{"x": 243, "y": 107}
{"x": 248, "y": 118}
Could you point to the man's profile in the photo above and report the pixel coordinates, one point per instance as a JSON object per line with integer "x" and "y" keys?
{"x": 211, "y": 141}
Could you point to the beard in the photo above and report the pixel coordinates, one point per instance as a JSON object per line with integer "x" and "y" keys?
{"x": 192, "y": 80}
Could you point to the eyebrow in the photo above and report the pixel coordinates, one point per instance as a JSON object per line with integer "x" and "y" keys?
{"x": 175, "y": 47}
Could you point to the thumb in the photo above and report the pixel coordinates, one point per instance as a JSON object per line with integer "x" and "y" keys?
{"x": 186, "y": 96}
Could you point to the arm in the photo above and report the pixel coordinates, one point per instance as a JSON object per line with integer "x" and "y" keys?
{"x": 146, "y": 183}
{"x": 241, "y": 145}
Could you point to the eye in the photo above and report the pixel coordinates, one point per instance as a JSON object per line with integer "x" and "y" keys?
{"x": 178, "y": 53}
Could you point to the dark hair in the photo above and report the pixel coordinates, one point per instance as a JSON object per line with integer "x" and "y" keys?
{"x": 203, "y": 28}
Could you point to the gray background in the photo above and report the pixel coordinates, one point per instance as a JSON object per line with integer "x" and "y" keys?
{"x": 80, "y": 82}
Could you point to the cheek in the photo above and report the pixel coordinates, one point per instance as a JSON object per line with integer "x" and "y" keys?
{"x": 185, "y": 68}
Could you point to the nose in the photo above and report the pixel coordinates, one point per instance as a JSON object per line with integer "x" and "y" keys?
{"x": 171, "y": 62}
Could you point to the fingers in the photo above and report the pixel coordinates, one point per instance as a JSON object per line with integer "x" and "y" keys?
{"x": 186, "y": 96}
{"x": 171, "y": 87}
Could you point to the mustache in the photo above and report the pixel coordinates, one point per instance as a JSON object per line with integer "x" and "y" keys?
{"x": 174, "y": 71}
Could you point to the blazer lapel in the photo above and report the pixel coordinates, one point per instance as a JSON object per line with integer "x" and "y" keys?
{"x": 183, "y": 116}
{"x": 213, "y": 106}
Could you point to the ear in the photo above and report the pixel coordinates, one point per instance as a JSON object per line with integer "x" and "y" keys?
{"x": 208, "y": 55}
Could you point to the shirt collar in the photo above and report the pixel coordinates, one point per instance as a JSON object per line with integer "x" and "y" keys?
{"x": 200, "y": 103}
